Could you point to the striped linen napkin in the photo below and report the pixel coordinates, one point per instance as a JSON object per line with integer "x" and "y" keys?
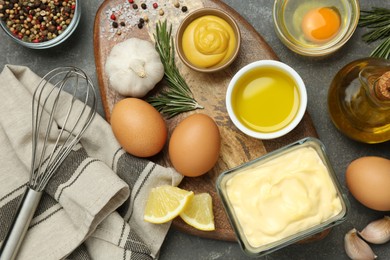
{"x": 93, "y": 206}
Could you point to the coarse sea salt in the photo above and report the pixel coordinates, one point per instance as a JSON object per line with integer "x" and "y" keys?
{"x": 126, "y": 13}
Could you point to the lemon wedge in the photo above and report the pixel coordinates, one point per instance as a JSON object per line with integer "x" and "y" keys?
{"x": 165, "y": 203}
{"x": 199, "y": 212}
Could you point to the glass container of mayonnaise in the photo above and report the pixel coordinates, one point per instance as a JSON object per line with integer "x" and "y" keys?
{"x": 282, "y": 197}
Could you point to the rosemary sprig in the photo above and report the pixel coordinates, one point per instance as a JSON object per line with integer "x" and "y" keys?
{"x": 383, "y": 50}
{"x": 378, "y": 20}
{"x": 178, "y": 97}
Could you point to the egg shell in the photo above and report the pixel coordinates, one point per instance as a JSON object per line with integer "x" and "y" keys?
{"x": 195, "y": 145}
{"x": 139, "y": 127}
{"x": 368, "y": 180}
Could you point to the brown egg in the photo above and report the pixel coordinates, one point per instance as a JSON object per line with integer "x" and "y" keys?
{"x": 139, "y": 127}
{"x": 194, "y": 145}
{"x": 368, "y": 179}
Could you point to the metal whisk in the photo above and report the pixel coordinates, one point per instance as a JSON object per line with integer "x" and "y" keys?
{"x": 63, "y": 106}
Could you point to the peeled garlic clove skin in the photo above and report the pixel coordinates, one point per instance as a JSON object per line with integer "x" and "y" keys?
{"x": 377, "y": 232}
{"x": 356, "y": 248}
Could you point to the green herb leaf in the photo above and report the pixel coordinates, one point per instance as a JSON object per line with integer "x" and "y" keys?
{"x": 178, "y": 97}
{"x": 378, "y": 20}
{"x": 383, "y": 50}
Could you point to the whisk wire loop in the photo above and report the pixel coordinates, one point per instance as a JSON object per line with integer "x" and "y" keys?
{"x": 46, "y": 163}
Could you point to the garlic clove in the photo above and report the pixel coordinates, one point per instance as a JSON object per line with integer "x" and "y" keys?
{"x": 377, "y": 232}
{"x": 356, "y": 248}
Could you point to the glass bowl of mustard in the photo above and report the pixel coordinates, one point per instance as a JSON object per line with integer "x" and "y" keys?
{"x": 283, "y": 197}
{"x": 40, "y": 25}
{"x": 208, "y": 40}
{"x": 315, "y": 28}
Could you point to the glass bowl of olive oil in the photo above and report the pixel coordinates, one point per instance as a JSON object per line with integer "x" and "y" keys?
{"x": 315, "y": 28}
{"x": 266, "y": 99}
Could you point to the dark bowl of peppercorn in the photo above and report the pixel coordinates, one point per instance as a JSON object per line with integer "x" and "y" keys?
{"x": 39, "y": 24}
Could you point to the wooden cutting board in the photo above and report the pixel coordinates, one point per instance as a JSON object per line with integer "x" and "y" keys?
{"x": 209, "y": 90}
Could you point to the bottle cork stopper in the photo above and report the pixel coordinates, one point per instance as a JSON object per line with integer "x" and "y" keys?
{"x": 383, "y": 86}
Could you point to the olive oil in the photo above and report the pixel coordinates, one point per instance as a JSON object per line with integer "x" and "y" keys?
{"x": 354, "y": 103}
{"x": 265, "y": 99}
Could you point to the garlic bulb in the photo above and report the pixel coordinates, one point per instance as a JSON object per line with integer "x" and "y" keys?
{"x": 356, "y": 248}
{"x": 134, "y": 67}
{"x": 377, "y": 232}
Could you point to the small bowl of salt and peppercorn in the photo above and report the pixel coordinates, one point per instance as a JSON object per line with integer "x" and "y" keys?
{"x": 39, "y": 24}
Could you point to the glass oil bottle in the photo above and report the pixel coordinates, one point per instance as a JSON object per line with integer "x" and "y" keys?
{"x": 359, "y": 100}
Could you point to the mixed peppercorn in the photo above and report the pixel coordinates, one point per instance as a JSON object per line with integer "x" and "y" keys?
{"x": 144, "y": 6}
{"x": 37, "y": 20}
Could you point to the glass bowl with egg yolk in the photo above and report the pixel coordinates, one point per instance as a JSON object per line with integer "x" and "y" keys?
{"x": 315, "y": 28}
{"x": 283, "y": 197}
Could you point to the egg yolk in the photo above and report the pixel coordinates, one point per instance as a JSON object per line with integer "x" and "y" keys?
{"x": 321, "y": 24}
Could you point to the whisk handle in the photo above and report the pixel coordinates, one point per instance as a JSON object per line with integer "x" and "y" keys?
{"x": 19, "y": 226}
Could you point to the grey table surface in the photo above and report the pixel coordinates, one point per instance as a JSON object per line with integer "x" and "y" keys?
{"x": 316, "y": 73}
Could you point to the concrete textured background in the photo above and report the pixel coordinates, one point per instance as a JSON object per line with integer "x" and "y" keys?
{"x": 316, "y": 73}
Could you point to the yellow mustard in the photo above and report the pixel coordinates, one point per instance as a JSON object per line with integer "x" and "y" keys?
{"x": 208, "y": 41}
{"x": 283, "y": 196}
